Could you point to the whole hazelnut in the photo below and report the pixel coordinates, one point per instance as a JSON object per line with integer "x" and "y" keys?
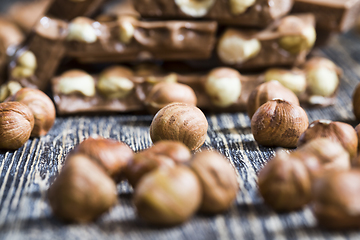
{"x": 336, "y": 200}
{"x": 195, "y": 8}
{"x": 168, "y": 196}
{"x": 340, "y": 132}
{"x": 82, "y": 191}
{"x": 223, "y": 86}
{"x": 180, "y": 122}
{"x": 40, "y": 105}
{"x": 77, "y": 82}
{"x": 164, "y": 93}
{"x": 356, "y": 102}
{"x": 218, "y": 181}
{"x": 278, "y": 123}
{"x": 81, "y": 29}
{"x": 111, "y": 155}
{"x": 266, "y": 92}
{"x": 16, "y": 125}
{"x": 161, "y": 154}
{"x": 285, "y": 184}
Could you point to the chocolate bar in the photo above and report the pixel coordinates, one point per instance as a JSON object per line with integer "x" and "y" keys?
{"x": 128, "y": 39}
{"x": 331, "y": 15}
{"x": 257, "y": 13}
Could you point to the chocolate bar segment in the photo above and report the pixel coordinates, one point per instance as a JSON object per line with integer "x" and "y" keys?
{"x": 257, "y": 13}
{"x": 331, "y": 15}
{"x": 128, "y": 39}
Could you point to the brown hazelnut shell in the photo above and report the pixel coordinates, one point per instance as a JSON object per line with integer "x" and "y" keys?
{"x": 218, "y": 181}
{"x": 266, "y": 92}
{"x": 40, "y": 105}
{"x": 336, "y": 200}
{"x": 180, "y": 122}
{"x": 82, "y": 191}
{"x": 335, "y": 131}
{"x": 168, "y": 196}
{"x": 111, "y": 155}
{"x": 278, "y": 123}
{"x": 16, "y": 124}
{"x": 284, "y": 183}
{"x": 164, "y": 93}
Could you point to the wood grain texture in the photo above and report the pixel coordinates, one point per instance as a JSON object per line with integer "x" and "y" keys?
{"x": 26, "y": 174}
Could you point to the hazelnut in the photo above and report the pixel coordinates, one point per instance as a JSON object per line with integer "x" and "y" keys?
{"x": 82, "y": 191}
{"x": 126, "y": 29}
{"x": 336, "y": 200}
{"x": 16, "y": 124}
{"x": 165, "y": 93}
{"x": 294, "y": 79}
{"x": 297, "y": 36}
{"x": 111, "y": 155}
{"x": 77, "y": 81}
{"x": 168, "y": 196}
{"x": 114, "y": 82}
{"x": 284, "y": 183}
{"x": 223, "y": 85}
{"x": 25, "y": 66}
{"x": 195, "y": 8}
{"x": 322, "y": 76}
{"x": 40, "y": 105}
{"x": 335, "y": 131}
{"x": 235, "y": 48}
{"x": 8, "y": 89}
{"x": 162, "y": 154}
{"x": 81, "y": 29}
{"x": 21, "y": 72}
{"x": 240, "y": 6}
{"x": 218, "y": 181}
{"x": 266, "y": 92}
{"x": 180, "y": 122}
{"x": 278, "y": 123}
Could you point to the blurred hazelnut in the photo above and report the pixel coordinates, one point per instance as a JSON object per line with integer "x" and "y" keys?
{"x": 218, "y": 181}
{"x": 235, "y": 48}
{"x": 180, "y": 122}
{"x": 168, "y": 196}
{"x": 278, "y": 123}
{"x": 40, "y": 105}
{"x": 16, "y": 124}
{"x": 266, "y": 92}
{"x": 195, "y": 8}
{"x": 301, "y": 38}
{"x": 164, "y": 93}
{"x": 82, "y": 191}
{"x": 126, "y": 29}
{"x": 77, "y": 81}
{"x": 335, "y": 131}
{"x": 21, "y": 72}
{"x": 111, "y": 155}
{"x": 114, "y": 82}
{"x": 284, "y": 183}
{"x": 81, "y": 29}
{"x": 161, "y": 154}
{"x": 240, "y": 6}
{"x": 322, "y": 76}
{"x": 8, "y": 89}
{"x": 27, "y": 60}
{"x": 223, "y": 85}
{"x": 336, "y": 200}
{"x": 294, "y": 79}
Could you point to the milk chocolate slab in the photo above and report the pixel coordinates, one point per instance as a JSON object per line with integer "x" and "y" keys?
{"x": 332, "y": 15}
{"x": 165, "y": 40}
{"x": 260, "y": 14}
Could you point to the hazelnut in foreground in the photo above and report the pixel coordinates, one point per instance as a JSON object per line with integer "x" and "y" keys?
{"x": 223, "y": 86}
{"x": 41, "y": 106}
{"x": 111, "y": 155}
{"x": 285, "y": 184}
{"x": 266, "y": 92}
{"x": 278, "y": 123}
{"x": 77, "y": 82}
{"x": 195, "y": 8}
{"x": 336, "y": 200}
{"x": 16, "y": 125}
{"x": 168, "y": 196}
{"x": 161, "y": 154}
{"x": 164, "y": 93}
{"x": 180, "y": 122}
{"x": 82, "y": 191}
{"x": 218, "y": 181}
